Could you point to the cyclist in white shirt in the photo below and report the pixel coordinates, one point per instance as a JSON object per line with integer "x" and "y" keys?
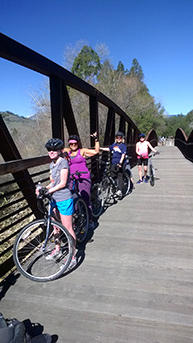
{"x": 142, "y": 157}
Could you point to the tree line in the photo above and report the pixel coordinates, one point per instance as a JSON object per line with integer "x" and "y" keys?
{"x": 126, "y": 87}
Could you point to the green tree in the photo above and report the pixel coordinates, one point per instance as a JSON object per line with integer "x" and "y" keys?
{"x": 87, "y": 64}
{"x": 136, "y": 70}
{"x": 121, "y": 69}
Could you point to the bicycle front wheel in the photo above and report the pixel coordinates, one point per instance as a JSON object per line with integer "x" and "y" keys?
{"x": 152, "y": 178}
{"x": 80, "y": 220}
{"x": 31, "y": 250}
{"x": 97, "y": 200}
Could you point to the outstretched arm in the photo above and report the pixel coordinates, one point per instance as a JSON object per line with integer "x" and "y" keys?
{"x": 150, "y": 146}
{"x": 104, "y": 149}
{"x": 91, "y": 152}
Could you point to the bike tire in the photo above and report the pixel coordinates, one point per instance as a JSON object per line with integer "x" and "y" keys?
{"x": 105, "y": 185}
{"x": 152, "y": 178}
{"x": 29, "y": 256}
{"x": 126, "y": 184}
{"x": 97, "y": 200}
{"x": 80, "y": 220}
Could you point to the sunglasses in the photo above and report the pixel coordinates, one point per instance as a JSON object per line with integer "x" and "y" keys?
{"x": 51, "y": 149}
{"x": 73, "y": 143}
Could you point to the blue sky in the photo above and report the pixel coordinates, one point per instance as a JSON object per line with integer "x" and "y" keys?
{"x": 159, "y": 33}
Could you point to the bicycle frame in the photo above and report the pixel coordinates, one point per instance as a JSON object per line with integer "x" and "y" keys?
{"x": 107, "y": 173}
{"x": 48, "y": 215}
{"x": 48, "y": 225}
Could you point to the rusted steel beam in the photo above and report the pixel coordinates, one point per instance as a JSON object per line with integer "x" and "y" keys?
{"x": 18, "y": 53}
{"x": 129, "y": 134}
{"x": 8, "y": 148}
{"x": 122, "y": 125}
{"x": 110, "y": 127}
{"x": 20, "y": 164}
{"x": 56, "y": 107}
{"x": 94, "y": 120}
{"x": 68, "y": 114}
{"x": 10, "y": 152}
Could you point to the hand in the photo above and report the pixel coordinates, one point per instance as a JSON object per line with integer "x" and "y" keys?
{"x": 43, "y": 192}
{"x": 94, "y": 135}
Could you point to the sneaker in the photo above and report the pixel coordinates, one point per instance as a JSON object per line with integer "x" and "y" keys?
{"x": 92, "y": 225}
{"x": 119, "y": 193}
{"x": 43, "y": 338}
{"x": 54, "y": 254}
{"x": 146, "y": 180}
{"x": 72, "y": 263}
{"x": 139, "y": 181}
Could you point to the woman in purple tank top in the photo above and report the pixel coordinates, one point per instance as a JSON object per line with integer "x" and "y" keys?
{"x": 77, "y": 162}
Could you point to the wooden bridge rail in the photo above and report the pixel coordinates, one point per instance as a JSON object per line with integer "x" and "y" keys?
{"x": 184, "y": 143}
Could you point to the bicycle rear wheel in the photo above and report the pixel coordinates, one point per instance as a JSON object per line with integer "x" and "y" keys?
{"x": 80, "y": 220}
{"x": 30, "y": 255}
{"x": 152, "y": 178}
{"x": 126, "y": 184}
{"x": 97, "y": 200}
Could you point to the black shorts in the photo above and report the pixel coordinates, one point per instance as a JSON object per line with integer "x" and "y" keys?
{"x": 142, "y": 161}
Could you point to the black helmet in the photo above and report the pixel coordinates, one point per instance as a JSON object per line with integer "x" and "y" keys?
{"x": 142, "y": 135}
{"x": 54, "y": 144}
{"x": 119, "y": 133}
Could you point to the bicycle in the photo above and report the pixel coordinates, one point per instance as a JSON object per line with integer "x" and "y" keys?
{"x": 97, "y": 200}
{"x": 37, "y": 240}
{"x": 151, "y": 170}
{"x": 109, "y": 186}
{"x": 80, "y": 217}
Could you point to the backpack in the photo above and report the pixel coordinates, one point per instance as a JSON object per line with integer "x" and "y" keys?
{"x": 13, "y": 332}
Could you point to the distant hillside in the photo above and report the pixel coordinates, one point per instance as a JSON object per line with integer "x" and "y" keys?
{"x": 29, "y": 134}
{"x": 14, "y": 121}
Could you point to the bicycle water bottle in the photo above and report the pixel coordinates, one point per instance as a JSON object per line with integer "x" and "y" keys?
{"x": 39, "y": 186}
{"x": 2, "y": 321}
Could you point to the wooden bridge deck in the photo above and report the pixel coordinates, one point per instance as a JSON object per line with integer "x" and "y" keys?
{"x": 135, "y": 283}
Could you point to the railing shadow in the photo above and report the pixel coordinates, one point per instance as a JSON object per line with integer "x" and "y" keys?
{"x": 7, "y": 283}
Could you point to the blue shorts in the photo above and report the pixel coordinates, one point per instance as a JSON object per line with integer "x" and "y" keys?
{"x": 65, "y": 207}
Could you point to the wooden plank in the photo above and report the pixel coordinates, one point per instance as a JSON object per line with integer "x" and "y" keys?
{"x": 134, "y": 278}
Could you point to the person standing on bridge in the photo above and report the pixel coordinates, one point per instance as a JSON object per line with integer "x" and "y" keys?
{"x": 142, "y": 157}
{"x": 119, "y": 151}
{"x": 62, "y": 201}
{"x": 77, "y": 162}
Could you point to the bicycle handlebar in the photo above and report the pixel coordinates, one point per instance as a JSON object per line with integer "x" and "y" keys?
{"x": 78, "y": 173}
{"x": 44, "y": 193}
{"x": 155, "y": 153}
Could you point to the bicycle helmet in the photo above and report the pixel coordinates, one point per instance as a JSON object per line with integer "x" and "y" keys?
{"x": 119, "y": 133}
{"x": 73, "y": 139}
{"x": 142, "y": 135}
{"x": 54, "y": 144}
